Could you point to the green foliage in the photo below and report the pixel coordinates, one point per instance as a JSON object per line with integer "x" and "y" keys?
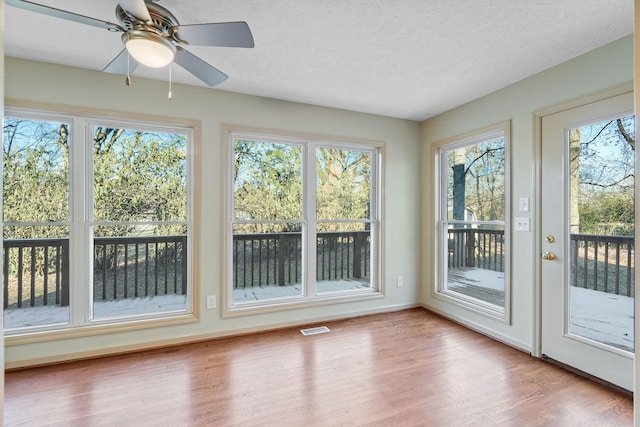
{"x": 137, "y": 176}
{"x": 35, "y": 172}
{"x": 268, "y": 183}
{"x": 140, "y": 177}
{"x": 343, "y": 184}
{"x": 608, "y": 214}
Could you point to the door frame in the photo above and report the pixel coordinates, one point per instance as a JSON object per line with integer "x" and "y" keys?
{"x": 536, "y": 342}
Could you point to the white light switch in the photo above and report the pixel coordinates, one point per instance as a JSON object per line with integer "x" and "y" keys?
{"x": 522, "y": 224}
{"x": 211, "y": 301}
{"x": 524, "y": 204}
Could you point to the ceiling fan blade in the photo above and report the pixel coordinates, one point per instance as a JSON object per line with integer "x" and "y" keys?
{"x": 196, "y": 66}
{"x": 122, "y": 64}
{"x": 136, "y": 8}
{"x": 225, "y": 34}
{"x": 63, "y": 14}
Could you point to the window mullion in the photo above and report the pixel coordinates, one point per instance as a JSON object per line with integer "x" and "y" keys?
{"x": 311, "y": 221}
{"x": 80, "y": 260}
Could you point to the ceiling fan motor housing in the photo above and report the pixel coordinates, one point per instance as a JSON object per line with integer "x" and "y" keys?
{"x": 163, "y": 22}
{"x": 152, "y": 36}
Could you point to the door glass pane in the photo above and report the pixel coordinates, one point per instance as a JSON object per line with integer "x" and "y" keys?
{"x": 473, "y": 226}
{"x": 36, "y": 215}
{"x": 601, "y": 228}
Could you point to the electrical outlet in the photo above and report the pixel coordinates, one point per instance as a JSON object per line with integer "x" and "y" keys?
{"x": 400, "y": 281}
{"x": 211, "y": 301}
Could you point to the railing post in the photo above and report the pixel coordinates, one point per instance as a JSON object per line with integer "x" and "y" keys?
{"x": 184, "y": 264}
{"x": 64, "y": 286}
{"x": 357, "y": 256}
{"x": 471, "y": 244}
{"x": 5, "y": 270}
{"x": 281, "y": 256}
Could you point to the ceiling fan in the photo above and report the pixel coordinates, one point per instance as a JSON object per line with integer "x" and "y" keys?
{"x": 153, "y": 37}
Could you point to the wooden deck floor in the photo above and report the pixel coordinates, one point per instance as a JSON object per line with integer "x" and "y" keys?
{"x": 602, "y": 317}
{"x": 410, "y": 368}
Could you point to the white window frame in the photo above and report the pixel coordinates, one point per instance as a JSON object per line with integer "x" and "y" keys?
{"x": 80, "y": 223}
{"x": 440, "y": 290}
{"x": 309, "y": 296}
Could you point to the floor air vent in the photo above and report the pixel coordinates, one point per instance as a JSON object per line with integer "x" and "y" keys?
{"x": 315, "y": 331}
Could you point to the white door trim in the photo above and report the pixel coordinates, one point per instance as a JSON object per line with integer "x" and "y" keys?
{"x": 536, "y": 342}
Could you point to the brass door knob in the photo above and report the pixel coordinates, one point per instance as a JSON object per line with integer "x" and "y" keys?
{"x": 549, "y": 256}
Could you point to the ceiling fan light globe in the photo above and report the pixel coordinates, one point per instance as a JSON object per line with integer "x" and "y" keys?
{"x": 149, "y": 49}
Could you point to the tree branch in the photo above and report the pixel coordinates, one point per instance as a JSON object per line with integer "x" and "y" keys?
{"x": 613, "y": 184}
{"x": 627, "y": 137}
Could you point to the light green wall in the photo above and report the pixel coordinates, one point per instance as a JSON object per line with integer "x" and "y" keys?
{"x": 595, "y": 71}
{"x": 47, "y": 83}
{"x": 408, "y": 175}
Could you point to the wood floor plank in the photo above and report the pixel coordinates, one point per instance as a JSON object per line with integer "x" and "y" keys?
{"x": 409, "y": 368}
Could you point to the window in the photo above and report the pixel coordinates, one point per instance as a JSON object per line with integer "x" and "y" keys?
{"x": 303, "y": 221}
{"x": 473, "y": 240}
{"x": 97, "y": 221}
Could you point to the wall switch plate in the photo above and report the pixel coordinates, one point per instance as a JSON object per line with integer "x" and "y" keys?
{"x": 523, "y": 205}
{"x": 400, "y": 281}
{"x": 522, "y": 224}
{"x": 211, "y": 301}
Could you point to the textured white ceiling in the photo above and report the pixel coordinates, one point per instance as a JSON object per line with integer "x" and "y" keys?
{"x": 400, "y": 58}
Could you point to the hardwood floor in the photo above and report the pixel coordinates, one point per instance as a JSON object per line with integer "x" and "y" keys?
{"x": 410, "y": 368}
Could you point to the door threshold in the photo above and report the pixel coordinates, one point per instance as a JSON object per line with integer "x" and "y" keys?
{"x": 588, "y": 376}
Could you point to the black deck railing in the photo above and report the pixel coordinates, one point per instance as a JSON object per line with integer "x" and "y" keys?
{"x": 476, "y": 247}
{"x": 265, "y": 259}
{"x": 132, "y": 267}
{"x": 602, "y": 263}
{"x": 36, "y": 271}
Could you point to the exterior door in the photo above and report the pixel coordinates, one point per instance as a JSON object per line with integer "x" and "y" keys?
{"x": 587, "y": 238}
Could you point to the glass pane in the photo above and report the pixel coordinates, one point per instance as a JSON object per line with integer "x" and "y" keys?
{"x": 139, "y": 176}
{"x": 473, "y": 234}
{"x": 36, "y": 280}
{"x": 267, "y": 261}
{"x": 35, "y": 171}
{"x": 601, "y": 231}
{"x": 343, "y": 184}
{"x": 139, "y": 270}
{"x": 475, "y": 181}
{"x": 476, "y": 261}
{"x": 343, "y": 257}
{"x": 267, "y": 181}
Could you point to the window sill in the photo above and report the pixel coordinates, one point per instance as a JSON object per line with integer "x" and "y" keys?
{"x": 472, "y": 304}
{"x": 297, "y": 303}
{"x": 29, "y": 337}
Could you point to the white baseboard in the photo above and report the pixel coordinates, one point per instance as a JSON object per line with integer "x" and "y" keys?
{"x": 482, "y": 330}
{"x": 148, "y": 345}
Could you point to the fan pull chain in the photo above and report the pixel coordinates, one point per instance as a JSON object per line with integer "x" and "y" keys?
{"x": 170, "y": 81}
{"x": 127, "y": 80}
